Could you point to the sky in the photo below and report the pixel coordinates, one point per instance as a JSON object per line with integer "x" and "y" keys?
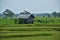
{"x": 33, "y": 6}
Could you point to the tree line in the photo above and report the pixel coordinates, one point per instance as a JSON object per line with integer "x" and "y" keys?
{"x": 9, "y": 13}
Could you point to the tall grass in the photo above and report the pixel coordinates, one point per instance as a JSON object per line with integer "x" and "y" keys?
{"x": 47, "y": 21}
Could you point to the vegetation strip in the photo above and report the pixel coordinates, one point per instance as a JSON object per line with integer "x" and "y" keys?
{"x": 25, "y": 35}
{"x": 31, "y": 29}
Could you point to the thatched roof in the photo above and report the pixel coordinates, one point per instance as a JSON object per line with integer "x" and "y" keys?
{"x": 25, "y": 14}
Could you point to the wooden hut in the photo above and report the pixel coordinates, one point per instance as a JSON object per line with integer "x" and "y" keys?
{"x": 26, "y": 18}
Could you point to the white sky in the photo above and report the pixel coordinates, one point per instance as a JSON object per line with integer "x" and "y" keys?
{"x": 33, "y": 6}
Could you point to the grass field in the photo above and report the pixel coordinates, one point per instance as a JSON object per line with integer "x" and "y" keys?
{"x": 29, "y": 33}
{"x": 36, "y": 31}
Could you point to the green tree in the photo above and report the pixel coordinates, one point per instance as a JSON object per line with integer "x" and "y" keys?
{"x": 8, "y": 13}
{"x": 25, "y": 12}
{"x": 54, "y": 14}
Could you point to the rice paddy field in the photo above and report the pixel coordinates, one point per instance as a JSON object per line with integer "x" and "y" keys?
{"x": 37, "y": 31}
